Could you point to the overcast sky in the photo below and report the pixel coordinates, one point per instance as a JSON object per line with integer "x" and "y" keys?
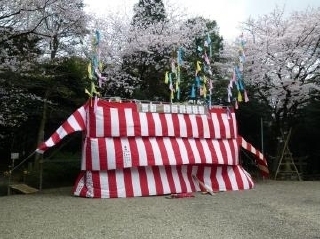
{"x": 227, "y": 13}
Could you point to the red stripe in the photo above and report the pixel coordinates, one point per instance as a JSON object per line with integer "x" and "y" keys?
{"x": 164, "y": 153}
{"x": 134, "y": 151}
{"x": 213, "y": 178}
{"x": 112, "y": 181}
{"x": 200, "y": 150}
{"x": 92, "y": 123}
{"x": 127, "y": 176}
{"x": 176, "y": 150}
{"x": 102, "y": 154}
{"x": 157, "y": 179}
{"x": 150, "y": 124}
{"x": 67, "y": 127}
{"x": 222, "y": 127}
{"x": 143, "y": 181}
{"x": 176, "y": 125}
{"x": 225, "y": 177}
{"x": 170, "y": 179}
{"x": 164, "y": 124}
{"x": 191, "y": 157}
{"x": 118, "y": 153}
{"x": 136, "y": 123}
{"x": 149, "y": 152}
{"x": 223, "y": 150}
{"x": 79, "y": 118}
{"x": 181, "y": 179}
{"x": 231, "y": 124}
{"x": 55, "y": 138}
{"x": 238, "y": 177}
{"x": 188, "y": 125}
{"x": 122, "y": 122}
{"x": 211, "y": 128}
{"x": 88, "y": 154}
{"x": 189, "y": 174}
{"x": 106, "y": 121}
{"x": 200, "y": 126}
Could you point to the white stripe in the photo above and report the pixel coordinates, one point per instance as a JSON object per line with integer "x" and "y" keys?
{"x": 235, "y": 127}
{"x": 244, "y": 144}
{"x": 226, "y": 124}
{"x": 253, "y": 150}
{"x": 206, "y": 129}
{"x": 89, "y": 184}
{"x": 183, "y": 127}
{"x": 157, "y": 123}
{"x": 129, "y": 122}
{"x": 243, "y": 177}
{"x": 144, "y": 124}
{"x": 184, "y": 170}
{"x": 142, "y": 152}
{"x": 121, "y": 189}
{"x": 195, "y": 151}
{"x": 217, "y": 149}
{"x": 260, "y": 156}
{"x": 236, "y": 152}
{"x": 79, "y": 186}
{"x": 206, "y": 150}
{"x": 228, "y": 151}
{"x": 111, "y": 154}
{"x": 176, "y": 180}
{"x": 156, "y": 151}
{"x": 170, "y": 152}
{"x": 194, "y": 172}
{"x": 99, "y": 122}
{"x": 169, "y": 124}
{"x": 207, "y": 177}
{"x": 221, "y": 183}
{"x": 194, "y": 126}
{"x": 126, "y": 153}
{"x": 62, "y": 133}
{"x": 151, "y": 181}
{"x": 135, "y": 182}
{"x": 74, "y": 123}
{"x": 49, "y": 142}
{"x": 216, "y": 125}
{"x": 104, "y": 184}
{"x": 84, "y": 157}
{"x": 164, "y": 180}
{"x": 115, "y": 131}
{"x": 183, "y": 151}
{"x": 232, "y": 177}
{"x": 95, "y": 154}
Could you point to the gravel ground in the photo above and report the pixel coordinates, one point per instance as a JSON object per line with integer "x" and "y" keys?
{"x": 274, "y": 209}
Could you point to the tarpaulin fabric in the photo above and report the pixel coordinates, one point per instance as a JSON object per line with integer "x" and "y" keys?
{"x": 126, "y": 152}
{"x": 129, "y": 151}
{"x": 160, "y": 180}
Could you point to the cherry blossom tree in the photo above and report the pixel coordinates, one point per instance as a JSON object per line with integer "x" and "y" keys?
{"x": 282, "y": 61}
{"x": 136, "y": 51}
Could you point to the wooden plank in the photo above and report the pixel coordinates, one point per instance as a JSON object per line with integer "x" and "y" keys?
{"x": 24, "y": 188}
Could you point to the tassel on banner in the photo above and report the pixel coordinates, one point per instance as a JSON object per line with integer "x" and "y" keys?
{"x": 166, "y": 77}
{"x": 246, "y": 98}
{"x": 239, "y": 96}
{"x": 198, "y": 69}
{"x": 236, "y": 105}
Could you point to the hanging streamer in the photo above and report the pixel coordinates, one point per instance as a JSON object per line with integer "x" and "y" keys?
{"x": 238, "y": 78}
{"x": 95, "y": 67}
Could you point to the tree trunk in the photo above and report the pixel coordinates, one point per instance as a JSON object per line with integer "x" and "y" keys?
{"x": 40, "y": 137}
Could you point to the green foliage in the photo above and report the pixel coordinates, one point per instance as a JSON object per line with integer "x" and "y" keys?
{"x": 148, "y": 12}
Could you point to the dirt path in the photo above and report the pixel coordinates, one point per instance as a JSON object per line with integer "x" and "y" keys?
{"x": 274, "y": 209}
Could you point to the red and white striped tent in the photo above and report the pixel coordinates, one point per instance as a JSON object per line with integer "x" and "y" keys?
{"x": 140, "y": 149}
